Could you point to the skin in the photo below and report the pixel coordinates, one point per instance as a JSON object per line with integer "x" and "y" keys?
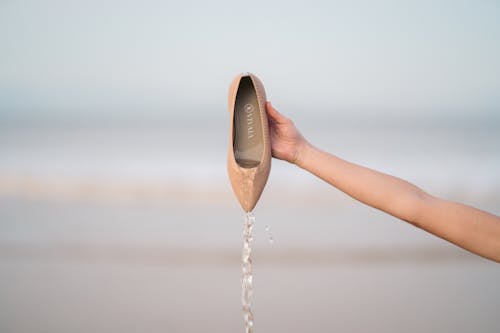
{"x": 470, "y": 228}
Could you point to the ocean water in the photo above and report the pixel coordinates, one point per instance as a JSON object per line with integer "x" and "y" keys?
{"x": 443, "y": 155}
{"x": 124, "y": 225}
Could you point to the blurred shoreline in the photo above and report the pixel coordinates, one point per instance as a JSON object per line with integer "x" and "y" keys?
{"x": 217, "y": 257}
{"x": 61, "y": 189}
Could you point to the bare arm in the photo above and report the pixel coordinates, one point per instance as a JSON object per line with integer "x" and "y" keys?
{"x": 470, "y": 228}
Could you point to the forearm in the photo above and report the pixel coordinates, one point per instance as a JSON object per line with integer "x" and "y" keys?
{"x": 465, "y": 226}
{"x": 387, "y": 193}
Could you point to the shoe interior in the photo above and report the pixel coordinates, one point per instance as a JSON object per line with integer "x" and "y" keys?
{"x": 248, "y": 139}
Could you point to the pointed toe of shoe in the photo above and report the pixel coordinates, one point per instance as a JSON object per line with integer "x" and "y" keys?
{"x": 248, "y": 184}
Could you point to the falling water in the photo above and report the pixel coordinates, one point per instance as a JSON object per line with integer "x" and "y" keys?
{"x": 247, "y": 278}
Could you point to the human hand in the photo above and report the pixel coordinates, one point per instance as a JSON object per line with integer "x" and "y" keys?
{"x": 286, "y": 141}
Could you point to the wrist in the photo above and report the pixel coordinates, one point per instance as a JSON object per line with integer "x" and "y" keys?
{"x": 303, "y": 150}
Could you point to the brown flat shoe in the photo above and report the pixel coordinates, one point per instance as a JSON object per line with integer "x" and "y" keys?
{"x": 249, "y": 157}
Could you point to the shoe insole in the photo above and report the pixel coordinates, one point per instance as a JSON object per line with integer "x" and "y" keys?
{"x": 248, "y": 139}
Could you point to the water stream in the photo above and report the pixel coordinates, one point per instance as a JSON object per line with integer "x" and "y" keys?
{"x": 246, "y": 267}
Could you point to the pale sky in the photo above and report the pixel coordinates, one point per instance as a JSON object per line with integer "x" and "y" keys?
{"x": 99, "y": 57}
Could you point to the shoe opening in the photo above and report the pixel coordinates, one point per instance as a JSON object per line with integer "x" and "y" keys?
{"x": 248, "y": 139}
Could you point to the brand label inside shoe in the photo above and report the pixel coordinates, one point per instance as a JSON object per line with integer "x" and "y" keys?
{"x": 249, "y": 117}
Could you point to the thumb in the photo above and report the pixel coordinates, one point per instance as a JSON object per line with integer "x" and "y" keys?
{"x": 274, "y": 114}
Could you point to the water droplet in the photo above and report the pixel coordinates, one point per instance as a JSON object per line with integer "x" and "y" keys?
{"x": 269, "y": 235}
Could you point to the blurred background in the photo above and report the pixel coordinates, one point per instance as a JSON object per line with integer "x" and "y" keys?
{"x": 116, "y": 214}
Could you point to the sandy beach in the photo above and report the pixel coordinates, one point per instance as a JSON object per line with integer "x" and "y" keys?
{"x": 168, "y": 264}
